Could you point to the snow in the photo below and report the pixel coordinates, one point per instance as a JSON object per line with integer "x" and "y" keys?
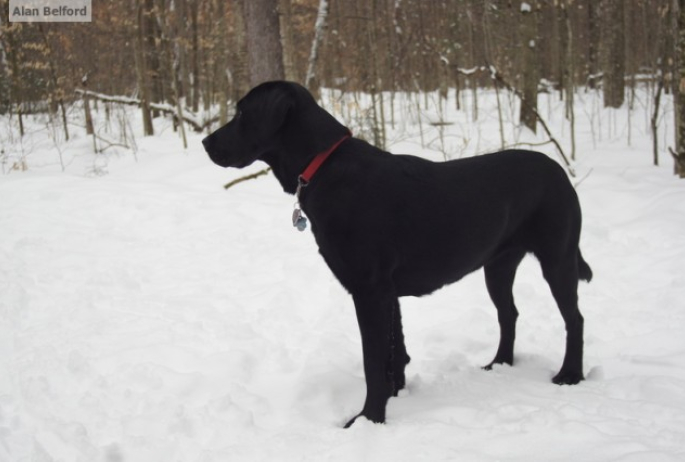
{"x": 149, "y": 315}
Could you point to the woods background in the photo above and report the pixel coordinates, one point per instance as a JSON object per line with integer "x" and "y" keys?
{"x": 192, "y": 55}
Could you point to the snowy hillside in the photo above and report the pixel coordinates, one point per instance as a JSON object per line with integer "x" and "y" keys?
{"x": 148, "y": 315}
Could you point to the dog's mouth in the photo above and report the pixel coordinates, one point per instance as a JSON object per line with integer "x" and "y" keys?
{"x": 218, "y": 159}
{"x": 222, "y": 158}
{"x": 225, "y": 161}
{"x": 242, "y": 164}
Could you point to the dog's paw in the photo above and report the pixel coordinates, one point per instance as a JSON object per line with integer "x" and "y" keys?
{"x": 399, "y": 383}
{"x": 498, "y": 361}
{"x": 568, "y": 378}
{"x": 376, "y": 420}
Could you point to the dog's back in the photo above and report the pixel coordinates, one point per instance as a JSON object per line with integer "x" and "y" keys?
{"x": 441, "y": 221}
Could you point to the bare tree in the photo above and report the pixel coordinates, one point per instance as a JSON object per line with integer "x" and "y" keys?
{"x": 569, "y": 72}
{"x": 679, "y": 154}
{"x": 239, "y": 68}
{"x": 195, "y": 94}
{"x": 56, "y": 92}
{"x": 592, "y": 41}
{"x": 287, "y": 23}
{"x": 319, "y": 29}
{"x": 614, "y": 59}
{"x": 222, "y": 61}
{"x": 530, "y": 66}
{"x": 139, "y": 55}
{"x": 264, "y": 49}
{"x": 12, "y": 53}
{"x": 171, "y": 48}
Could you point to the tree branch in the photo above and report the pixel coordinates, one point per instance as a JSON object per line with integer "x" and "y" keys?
{"x": 189, "y": 117}
{"x": 247, "y": 177}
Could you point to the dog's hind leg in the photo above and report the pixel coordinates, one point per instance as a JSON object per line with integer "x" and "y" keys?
{"x": 400, "y": 358}
{"x": 562, "y": 276}
{"x": 375, "y": 309}
{"x": 499, "y": 279}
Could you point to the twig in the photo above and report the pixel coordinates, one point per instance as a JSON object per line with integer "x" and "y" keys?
{"x": 109, "y": 144}
{"x": 575, "y": 186}
{"x": 673, "y": 153}
{"x": 526, "y": 143}
{"x": 247, "y": 177}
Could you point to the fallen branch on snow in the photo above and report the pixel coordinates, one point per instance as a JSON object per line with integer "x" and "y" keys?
{"x": 247, "y": 177}
{"x": 198, "y": 124}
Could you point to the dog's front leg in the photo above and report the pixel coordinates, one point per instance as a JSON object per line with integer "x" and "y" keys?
{"x": 375, "y": 318}
{"x": 400, "y": 358}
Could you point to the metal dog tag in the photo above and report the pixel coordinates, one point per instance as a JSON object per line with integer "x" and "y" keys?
{"x": 299, "y": 221}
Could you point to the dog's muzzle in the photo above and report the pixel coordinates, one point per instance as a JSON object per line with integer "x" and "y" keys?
{"x": 207, "y": 143}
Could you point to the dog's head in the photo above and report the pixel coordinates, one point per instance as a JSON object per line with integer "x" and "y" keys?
{"x": 256, "y": 127}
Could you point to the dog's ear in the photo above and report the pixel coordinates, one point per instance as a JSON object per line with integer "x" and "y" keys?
{"x": 273, "y": 112}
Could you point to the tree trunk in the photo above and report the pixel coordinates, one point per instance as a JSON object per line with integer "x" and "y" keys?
{"x": 679, "y": 156}
{"x": 195, "y": 100}
{"x": 224, "y": 81}
{"x": 319, "y": 28}
{"x": 264, "y": 48}
{"x": 86, "y": 107}
{"x": 614, "y": 67}
{"x": 54, "y": 85}
{"x": 290, "y": 42}
{"x": 592, "y": 41}
{"x": 561, "y": 36}
{"x": 139, "y": 57}
{"x": 655, "y": 123}
{"x": 569, "y": 73}
{"x": 239, "y": 66}
{"x": 531, "y": 78}
{"x": 168, "y": 45}
{"x": 183, "y": 77}
{"x": 13, "y": 54}
{"x": 474, "y": 63}
{"x": 152, "y": 54}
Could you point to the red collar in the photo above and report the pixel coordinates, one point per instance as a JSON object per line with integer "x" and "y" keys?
{"x": 306, "y": 176}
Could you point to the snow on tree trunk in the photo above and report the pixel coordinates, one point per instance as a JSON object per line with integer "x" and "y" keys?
{"x": 319, "y": 29}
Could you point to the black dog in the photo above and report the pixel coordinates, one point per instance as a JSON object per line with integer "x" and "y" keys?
{"x": 395, "y": 225}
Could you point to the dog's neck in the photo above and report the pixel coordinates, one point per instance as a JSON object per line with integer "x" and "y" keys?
{"x": 285, "y": 172}
{"x": 297, "y": 150}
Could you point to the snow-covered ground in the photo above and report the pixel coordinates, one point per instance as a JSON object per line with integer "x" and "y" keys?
{"x": 148, "y": 315}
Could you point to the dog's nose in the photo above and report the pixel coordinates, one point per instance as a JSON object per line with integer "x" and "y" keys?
{"x": 207, "y": 142}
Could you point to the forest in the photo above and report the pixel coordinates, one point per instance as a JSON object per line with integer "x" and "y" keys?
{"x": 191, "y": 59}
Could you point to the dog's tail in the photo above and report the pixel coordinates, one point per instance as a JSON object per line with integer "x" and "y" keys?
{"x": 584, "y": 270}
